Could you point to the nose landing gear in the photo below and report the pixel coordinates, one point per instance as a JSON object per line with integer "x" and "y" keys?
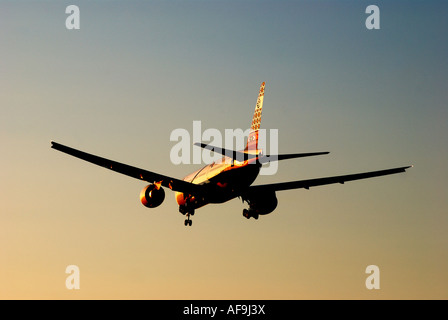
{"x": 188, "y": 222}
{"x": 187, "y": 212}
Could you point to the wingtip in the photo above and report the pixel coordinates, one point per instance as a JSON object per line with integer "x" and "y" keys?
{"x": 55, "y": 145}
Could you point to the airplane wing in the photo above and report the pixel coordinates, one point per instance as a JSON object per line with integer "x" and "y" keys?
{"x": 324, "y": 181}
{"x": 137, "y": 173}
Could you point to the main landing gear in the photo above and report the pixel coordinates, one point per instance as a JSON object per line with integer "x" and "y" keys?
{"x": 248, "y": 214}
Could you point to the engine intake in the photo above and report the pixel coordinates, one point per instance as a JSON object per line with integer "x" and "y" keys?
{"x": 152, "y": 196}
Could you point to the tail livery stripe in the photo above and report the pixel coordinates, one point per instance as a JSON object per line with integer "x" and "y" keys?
{"x": 257, "y": 114}
{"x": 252, "y": 141}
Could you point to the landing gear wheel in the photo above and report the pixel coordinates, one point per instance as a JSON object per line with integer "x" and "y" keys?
{"x": 188, "y": 222}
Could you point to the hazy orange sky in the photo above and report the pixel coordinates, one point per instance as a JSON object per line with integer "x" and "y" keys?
{"x": 137, "y": 70}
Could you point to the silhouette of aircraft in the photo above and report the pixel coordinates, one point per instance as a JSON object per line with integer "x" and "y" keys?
{"x": 223, "y": 180}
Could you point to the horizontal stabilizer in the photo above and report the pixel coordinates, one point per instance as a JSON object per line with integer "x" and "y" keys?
{"x": 242, "y": 156}
{"x": 278, "y": 157}
{"x": 236, "y": 155}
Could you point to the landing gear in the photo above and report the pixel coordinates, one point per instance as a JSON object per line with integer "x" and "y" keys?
{"x": 188, "y": 222}
{"x": 248, "y": 214}
{"x": 187, "y": 212}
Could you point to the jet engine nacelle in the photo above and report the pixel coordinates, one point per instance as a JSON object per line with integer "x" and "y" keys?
{"x": 152, "y": 196}
{"x": 263, "y": 203}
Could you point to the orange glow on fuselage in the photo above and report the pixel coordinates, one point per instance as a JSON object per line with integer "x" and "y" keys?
{"x": 226, "y": 175}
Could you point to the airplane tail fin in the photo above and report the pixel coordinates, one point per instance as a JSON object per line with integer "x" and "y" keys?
{"x": 252, "y": 140}
{"x": 251, "y": 151}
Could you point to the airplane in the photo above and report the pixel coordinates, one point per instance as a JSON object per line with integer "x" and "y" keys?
{"x": 223, "y": 180}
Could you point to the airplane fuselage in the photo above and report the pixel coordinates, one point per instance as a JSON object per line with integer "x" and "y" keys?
{"x": 225, "y": 180}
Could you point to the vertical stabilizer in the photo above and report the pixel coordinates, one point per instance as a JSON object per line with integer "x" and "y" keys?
{"x": 252, "y": 141}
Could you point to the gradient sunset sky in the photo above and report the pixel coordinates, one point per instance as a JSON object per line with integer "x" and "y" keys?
{"x": 137, "y": 70}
